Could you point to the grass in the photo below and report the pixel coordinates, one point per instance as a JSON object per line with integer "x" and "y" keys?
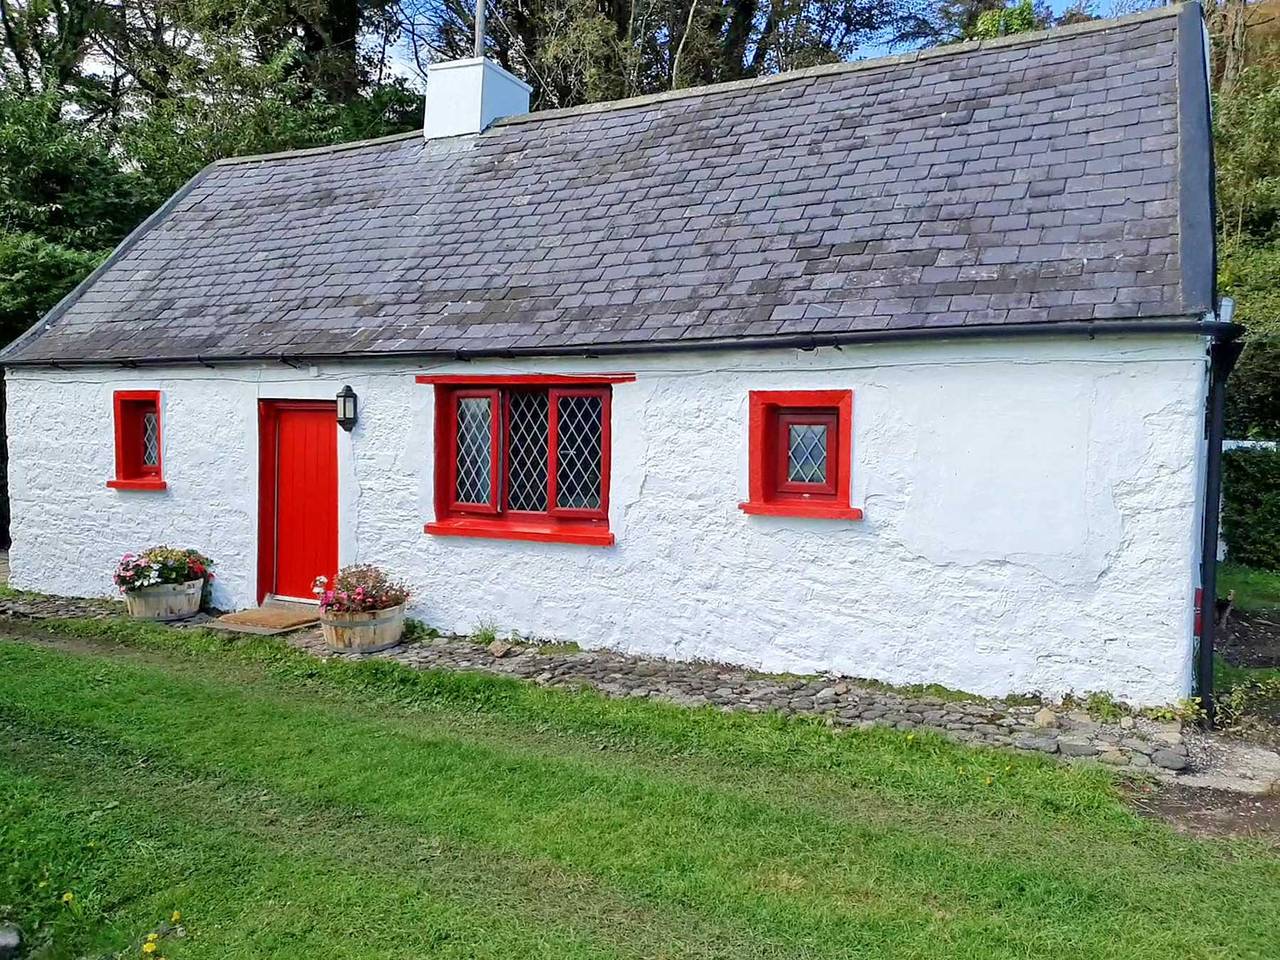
{"x": 296, "y": 808}
{"x": 1255, "y": 589}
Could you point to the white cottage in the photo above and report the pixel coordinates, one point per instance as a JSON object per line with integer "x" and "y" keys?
{"x": 895, "y": 368}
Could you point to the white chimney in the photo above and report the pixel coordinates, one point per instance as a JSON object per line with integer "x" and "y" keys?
{"x": 465, "y": 96}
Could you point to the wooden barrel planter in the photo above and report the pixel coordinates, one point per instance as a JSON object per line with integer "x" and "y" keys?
{"x": 165, "y": 601}
{"x": 363, "y": 632}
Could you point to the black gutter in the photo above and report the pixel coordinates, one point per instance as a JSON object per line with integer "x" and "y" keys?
{"x": 1222, "y": 358}
{"x": 1091, "y": 329}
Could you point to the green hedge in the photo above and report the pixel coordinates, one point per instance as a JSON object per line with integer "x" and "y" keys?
{"x": 1251, "y": 507}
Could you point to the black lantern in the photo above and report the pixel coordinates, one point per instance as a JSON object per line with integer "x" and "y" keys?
{"x": 347, "y": 408}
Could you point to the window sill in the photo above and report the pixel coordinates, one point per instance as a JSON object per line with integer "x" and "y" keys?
{"x": 816, "y": 511}
{"x": 141, "y": 483}
{"x": 539, "y": 531}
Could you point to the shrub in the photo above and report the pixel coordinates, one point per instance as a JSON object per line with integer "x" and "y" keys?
{"x": 1251, "y": 507}
{"x": 156, "y": 565}
{"x": 1249, "y": 703}
{"x": 358, "y": 589}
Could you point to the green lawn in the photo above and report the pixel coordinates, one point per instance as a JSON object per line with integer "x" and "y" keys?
{"x": 293, "y": 808}
{"x": 1254, "y": 589}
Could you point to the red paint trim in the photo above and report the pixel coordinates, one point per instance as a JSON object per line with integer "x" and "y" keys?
{"x": 769, "y": 411}
{"x": 268, "y": 452}
{"x": 495, "y": 520}
{"x": 450, "y": 464}
{"x": 129, "y": 407}
{"x": 141, "y": 484}
{"x": 524, "y": 379}
{"x": 816, "y": 511}
{"x": 553, "y": 441}
{"x": 541, "y": 530}
{"x": 786, "y": 419}
{"x": 266, "y": 497}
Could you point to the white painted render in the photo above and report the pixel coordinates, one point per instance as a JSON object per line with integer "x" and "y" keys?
{"x": 1032, "y": 512}
{"x": 465, "y": 96}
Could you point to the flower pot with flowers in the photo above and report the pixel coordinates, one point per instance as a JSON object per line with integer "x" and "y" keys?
{"x": 363, "y": 611}
{"x": 163, "y": 583}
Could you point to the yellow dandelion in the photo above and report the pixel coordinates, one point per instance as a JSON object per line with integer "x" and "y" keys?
{"x": 152, "y": 936}
{"x": 68, "y": 897}
{"x": 176, "y": 917}
{"x": 149, "y": 947}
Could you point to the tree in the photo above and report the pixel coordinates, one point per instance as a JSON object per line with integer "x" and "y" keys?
{"x": 578, "y": 51}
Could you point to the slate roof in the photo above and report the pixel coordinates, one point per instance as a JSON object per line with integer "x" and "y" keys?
{"x": 1035, "y": 180}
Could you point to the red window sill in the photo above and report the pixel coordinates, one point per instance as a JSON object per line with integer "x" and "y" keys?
{"x": 819, "y": 511}
{"x": 538, "y": 530}
{"x": 140, "y": 483}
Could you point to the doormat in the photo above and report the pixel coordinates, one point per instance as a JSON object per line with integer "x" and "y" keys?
{"x": 269, "y": 620}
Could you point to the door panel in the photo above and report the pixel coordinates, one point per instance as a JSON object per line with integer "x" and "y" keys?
{"x": 301, "y": 452}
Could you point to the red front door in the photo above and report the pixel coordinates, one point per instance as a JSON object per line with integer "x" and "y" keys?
{"x": 298, "y": 514}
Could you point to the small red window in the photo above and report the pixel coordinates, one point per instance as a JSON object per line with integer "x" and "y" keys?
{"x": 523, "y": 458}
{"x": 138, "y": 441}
{"x": 800, "y": 444}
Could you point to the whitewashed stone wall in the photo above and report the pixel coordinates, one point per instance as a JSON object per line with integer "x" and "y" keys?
{"x": 1031, "y": 507}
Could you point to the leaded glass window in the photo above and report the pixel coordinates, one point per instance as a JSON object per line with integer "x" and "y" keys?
{"x": 529, "y": 450}
{"x": 474, "y": 466}
{"x": 151, "y": 439}
{"x": 578, "y": 451}
{"x": 527, "y": 444}
{"x": 807, "y": 453}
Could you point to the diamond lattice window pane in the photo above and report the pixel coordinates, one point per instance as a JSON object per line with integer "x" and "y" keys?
{"x": 527, "y": 452}
{"x": 579, "y": 452}
{"x": 807, "y": 453}
{"x": 150, "y": 439}
{"x": 474, "y": 484}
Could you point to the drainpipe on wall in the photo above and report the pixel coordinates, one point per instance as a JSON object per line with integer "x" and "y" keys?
{"x": 1224, "y": 350}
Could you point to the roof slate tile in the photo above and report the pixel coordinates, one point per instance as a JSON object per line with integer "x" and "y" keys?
{"x": 1028, "y": 181}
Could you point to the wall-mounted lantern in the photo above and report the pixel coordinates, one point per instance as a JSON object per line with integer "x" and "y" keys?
{"x": 347, "y": 408}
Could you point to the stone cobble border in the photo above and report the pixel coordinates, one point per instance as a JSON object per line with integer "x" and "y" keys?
{"x": 1133, "y": 744}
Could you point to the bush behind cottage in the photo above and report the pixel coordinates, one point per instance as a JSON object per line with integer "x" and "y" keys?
{"x": 1251, "y": 507}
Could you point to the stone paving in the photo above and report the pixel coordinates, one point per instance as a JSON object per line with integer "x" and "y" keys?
{"x": 1131, "y": 744}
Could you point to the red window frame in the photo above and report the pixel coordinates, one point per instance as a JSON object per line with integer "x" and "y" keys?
{"x": 452, "y": 400}
{"x": 495, "y": 519}
{"x": 129, "y": 407}
{"x": 771, "y": 490}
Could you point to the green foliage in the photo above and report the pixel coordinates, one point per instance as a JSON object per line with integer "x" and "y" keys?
{"x": 1253, "y": 392}
{"x": 1251, "y": 507}
{"x": 1253, "y": 589}
{"x": 1251, "y": 699}
{"x": 1004, "y": 21}
{"x": 61, "y": 181}
{"x": 579, "y": 51}
{"x": 34, "y": 275}
{"x": 296, "y": 808}
{"x": 1189, "y": 710}
{"x": 485, "y": 632}
{"x": 1246, "y": 129}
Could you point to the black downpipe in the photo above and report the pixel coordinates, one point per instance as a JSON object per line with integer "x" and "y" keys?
{"x": 1223, "y": 355}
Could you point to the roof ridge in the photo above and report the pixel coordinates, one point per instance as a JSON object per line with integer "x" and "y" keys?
{"x": 733, "y": 86}
{"x": 851, "y": 66}
{"x": 313, "y": 151}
